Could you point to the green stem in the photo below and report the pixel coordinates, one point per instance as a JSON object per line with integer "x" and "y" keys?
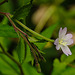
{"x": 33, "y": 32}
{"x": 38, "y": 52}
{"x": 15, "y": 27}
{"x": 7, "y": 54}
{"x": 34, "y": 54}
{"x": 30, "y": 48}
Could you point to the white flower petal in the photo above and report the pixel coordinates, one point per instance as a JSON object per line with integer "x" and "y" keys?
{"x": 63, "y": 33}
{"x": 69, "y": 42}
{"x": 66, "y": 50}
{"x": 58, "y": 47}
{"x": 68, "y": 36}
{"x": 60, "y": 31}
{"x": 56, "y": 41}
{"x": 64, "y": 40}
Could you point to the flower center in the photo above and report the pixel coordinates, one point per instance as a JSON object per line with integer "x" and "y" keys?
{"x": 62, "y": 42}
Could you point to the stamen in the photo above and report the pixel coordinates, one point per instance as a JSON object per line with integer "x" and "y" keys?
{"x": 62, "y": 42}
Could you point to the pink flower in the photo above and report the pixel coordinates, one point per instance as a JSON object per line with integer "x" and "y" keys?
{"x": 64, "y": 40}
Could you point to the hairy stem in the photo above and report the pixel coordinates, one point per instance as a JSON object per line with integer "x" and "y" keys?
{"x": 38, "y": 52}
{"x": 30, "y": 48}
{"x": 33, "y": 32}
{"x": 25, "y": 38}
{"x": 15, "y": 28}
{"x": 34, "y": 54}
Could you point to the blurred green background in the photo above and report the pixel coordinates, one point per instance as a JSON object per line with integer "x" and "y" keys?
{"x": 45, "y": 17}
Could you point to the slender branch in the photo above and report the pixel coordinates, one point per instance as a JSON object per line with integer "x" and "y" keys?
{"x": 3, "y": 2}
{"x": 26, "y": 39}
{"x": 38, "y": 52}
{"x": 15, "y": 28}
{"x": 7, "y": 54}
{"x": 35, "y": 57}
{"x": 33, "y": 32}
{"x": 30, "y": 48}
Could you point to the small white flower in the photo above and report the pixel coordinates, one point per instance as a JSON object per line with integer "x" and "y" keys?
{"x": 64, "y": 40}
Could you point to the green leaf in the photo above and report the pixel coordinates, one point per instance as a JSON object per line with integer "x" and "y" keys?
{"x": 26, "y": 1}
{"x": 21, "y": 50}
{"x": 28, "y": 55}
{"x": 47, "y": 33}
{"x": 58, "y": 67}
{"x": 23, "y": 2}
{"x": 61, "y": 68}
{"x": 69, "y": 71}
{"x": 7, "y": 31}
{"x": 32, "y": 39}
{"x": 7, "y": 66}
{"x": 29, "y": 70}
{"x": 6, "y": 7}
{"x": 68, "y": 59}
{"x": 5, "y": 42}
{"x": 22, "y": 12}
{"x": 41, "y": 1}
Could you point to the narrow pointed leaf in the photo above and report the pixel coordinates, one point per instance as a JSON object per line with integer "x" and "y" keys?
{"x": 21, "y": 50}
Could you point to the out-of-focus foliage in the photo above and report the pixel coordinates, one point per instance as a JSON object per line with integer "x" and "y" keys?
{"x": 58, "y": 67}
{"x": 7, "y": 31}
{"x": 45, "y": 17}
{"x": 64, "y": 67}
{"x": 7, "y": 66}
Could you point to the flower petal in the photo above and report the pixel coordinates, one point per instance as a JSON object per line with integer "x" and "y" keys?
{"x": 56, "y": 42}
{"x": 68, "y": 36}
{"x": 66, "y": 50}
{"x": 69, "y": 42}
{"x": 58, "y": 47}
{"x": 63, "y": 32}
{"x": 60, "y": 31}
